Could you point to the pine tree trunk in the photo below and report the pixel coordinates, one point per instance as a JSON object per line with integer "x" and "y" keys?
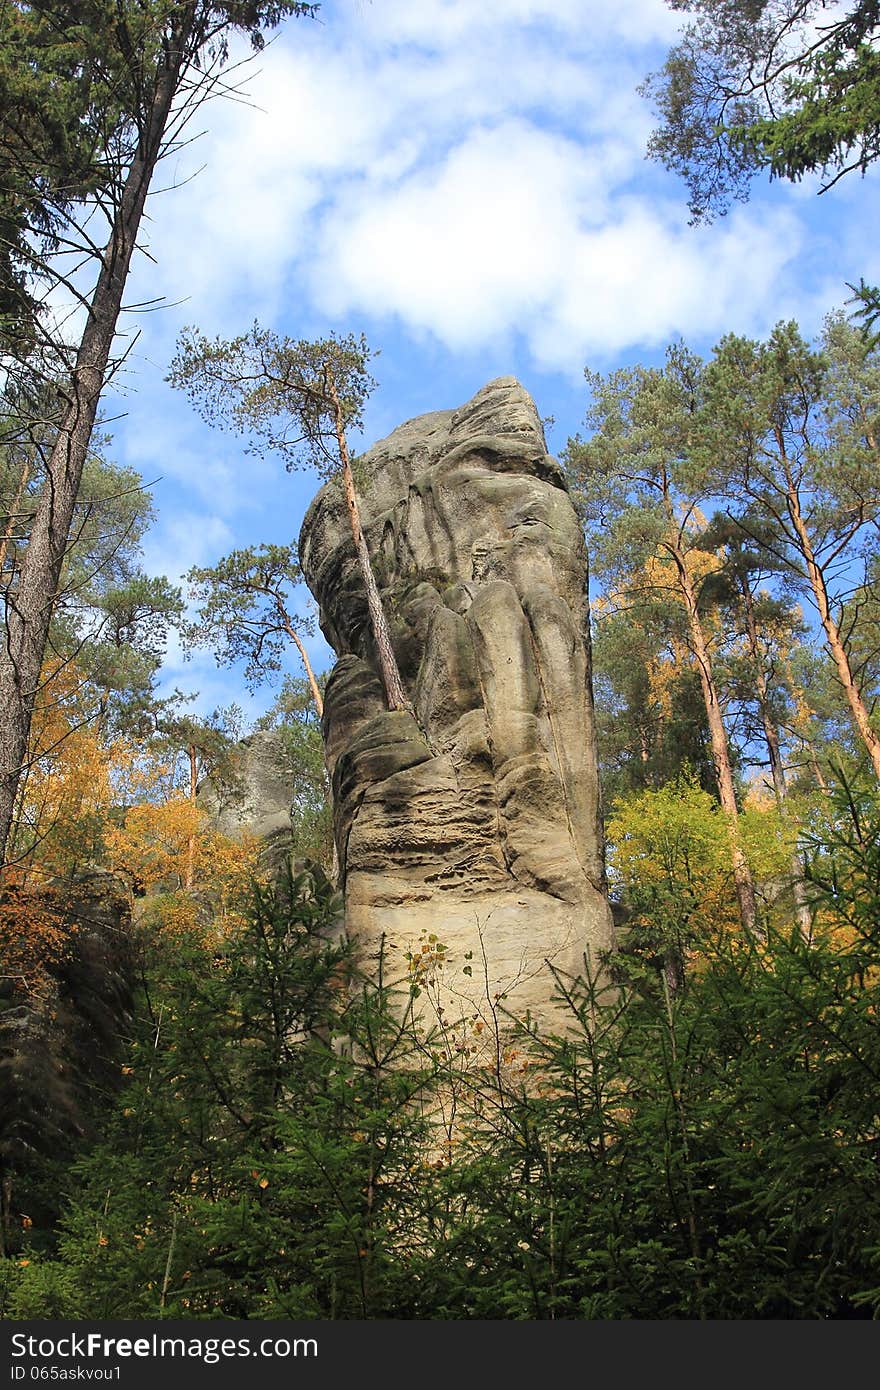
{"x": 395, "y": 694}
{"x": 803, "y": 716}
{"x": 774, "y": 753}
{"x": 29, "y": 605}
{"x": 771, "y": 733}
{"x": 310, "y": 675}
{"x": 858, "y": 708}
{"x": 745, "y": 888}
{"x": 191, "y": 842}
{"x": 10, "y": 519}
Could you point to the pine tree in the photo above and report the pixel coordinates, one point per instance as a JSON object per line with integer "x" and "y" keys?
{"x": 299, "y": 399}
{"x": 161, "y": 59}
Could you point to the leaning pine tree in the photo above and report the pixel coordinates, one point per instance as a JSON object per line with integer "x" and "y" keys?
{"x": 297, "y": 398}
{"x": 245, "y": 612}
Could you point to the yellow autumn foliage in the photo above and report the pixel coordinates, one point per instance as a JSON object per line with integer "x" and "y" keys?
{"x": 674, "y": 841}
{"x": 65, "y": 792}
{"x": 168, "y": 849}
{"x": 673, "y": 844}
{"x": 151, "y": 844}
{"x": 85, "y": 800}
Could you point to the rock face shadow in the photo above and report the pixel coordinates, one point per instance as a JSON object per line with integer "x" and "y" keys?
{"x": 476, "y": 823}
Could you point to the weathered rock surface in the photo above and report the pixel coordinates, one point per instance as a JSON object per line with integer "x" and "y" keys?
{"x": 476, "y": 822}
{"x": 254, "y": 798}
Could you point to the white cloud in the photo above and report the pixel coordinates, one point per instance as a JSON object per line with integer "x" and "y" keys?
{"x": 642, "y": 279}
{"x": 184, "y": 539}
{"x": 468, "y": 169}
{"x": 349, "y": 109}
{"x": 517, "y": 232}
{"x": 442, "y": 23}
{"x": 466, "y": 249}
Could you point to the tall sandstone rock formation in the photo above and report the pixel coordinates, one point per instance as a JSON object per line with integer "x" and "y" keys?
{"x": 476, "y": 823}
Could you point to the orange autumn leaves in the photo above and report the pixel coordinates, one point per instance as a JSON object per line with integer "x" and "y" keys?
{"x": 87, "y": 800}
{"x": 33, "y": 939}
{"x": 65, "y": 790}
{"x": 158, "y": 846}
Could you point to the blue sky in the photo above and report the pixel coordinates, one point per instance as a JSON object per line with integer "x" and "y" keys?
{"x": 465, "y": 182}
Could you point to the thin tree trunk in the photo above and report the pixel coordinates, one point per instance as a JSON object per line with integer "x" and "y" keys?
{"x": 816, "y": 769}
{"x": 774, "y": 753}
{"x": 310, "y": 675}
{"x": 394, "y": 692}
{"x": 29, "y": 606}
{"x": 745, "y": 888}
{"x": 644, "y": 750}
{"x": 857, "y": 706}
{"x": 803, "y": 715}
{"x": 5, "y": 1213}
{"x": 771, "y": 733}
{"x": 166, "y": 1279}
{"x": 191, "y": 843}
{"x": 870, "y": 434}
{"x": 674, "y": 1083}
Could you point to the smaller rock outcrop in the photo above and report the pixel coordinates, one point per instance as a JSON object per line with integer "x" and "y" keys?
{"x": 254, "y": 796}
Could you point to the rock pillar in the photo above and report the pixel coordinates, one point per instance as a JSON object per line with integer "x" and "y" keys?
{"x": 476, "y": 825}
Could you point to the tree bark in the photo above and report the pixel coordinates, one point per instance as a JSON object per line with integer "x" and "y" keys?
{"x": 816, "y": 577}
{"x": 802, "y": 718}
{"x": 29, "y": 605}
{"x": 395, "y": 694}
{"x": 192, "y": 754}
{"x": 745, "y": 888}
{"x": 11, "y": 518}
{"x": 310, "y": 675}
{"x": 774, "y": 753}
{"x": 771, "y": 733}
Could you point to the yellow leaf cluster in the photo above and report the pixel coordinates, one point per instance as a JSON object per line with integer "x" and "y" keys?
{"x": 84, "y": 799}
{"x": 677, "y": 840}
{"x": 65, "y": 791}
{"x": 151, "y": 845}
